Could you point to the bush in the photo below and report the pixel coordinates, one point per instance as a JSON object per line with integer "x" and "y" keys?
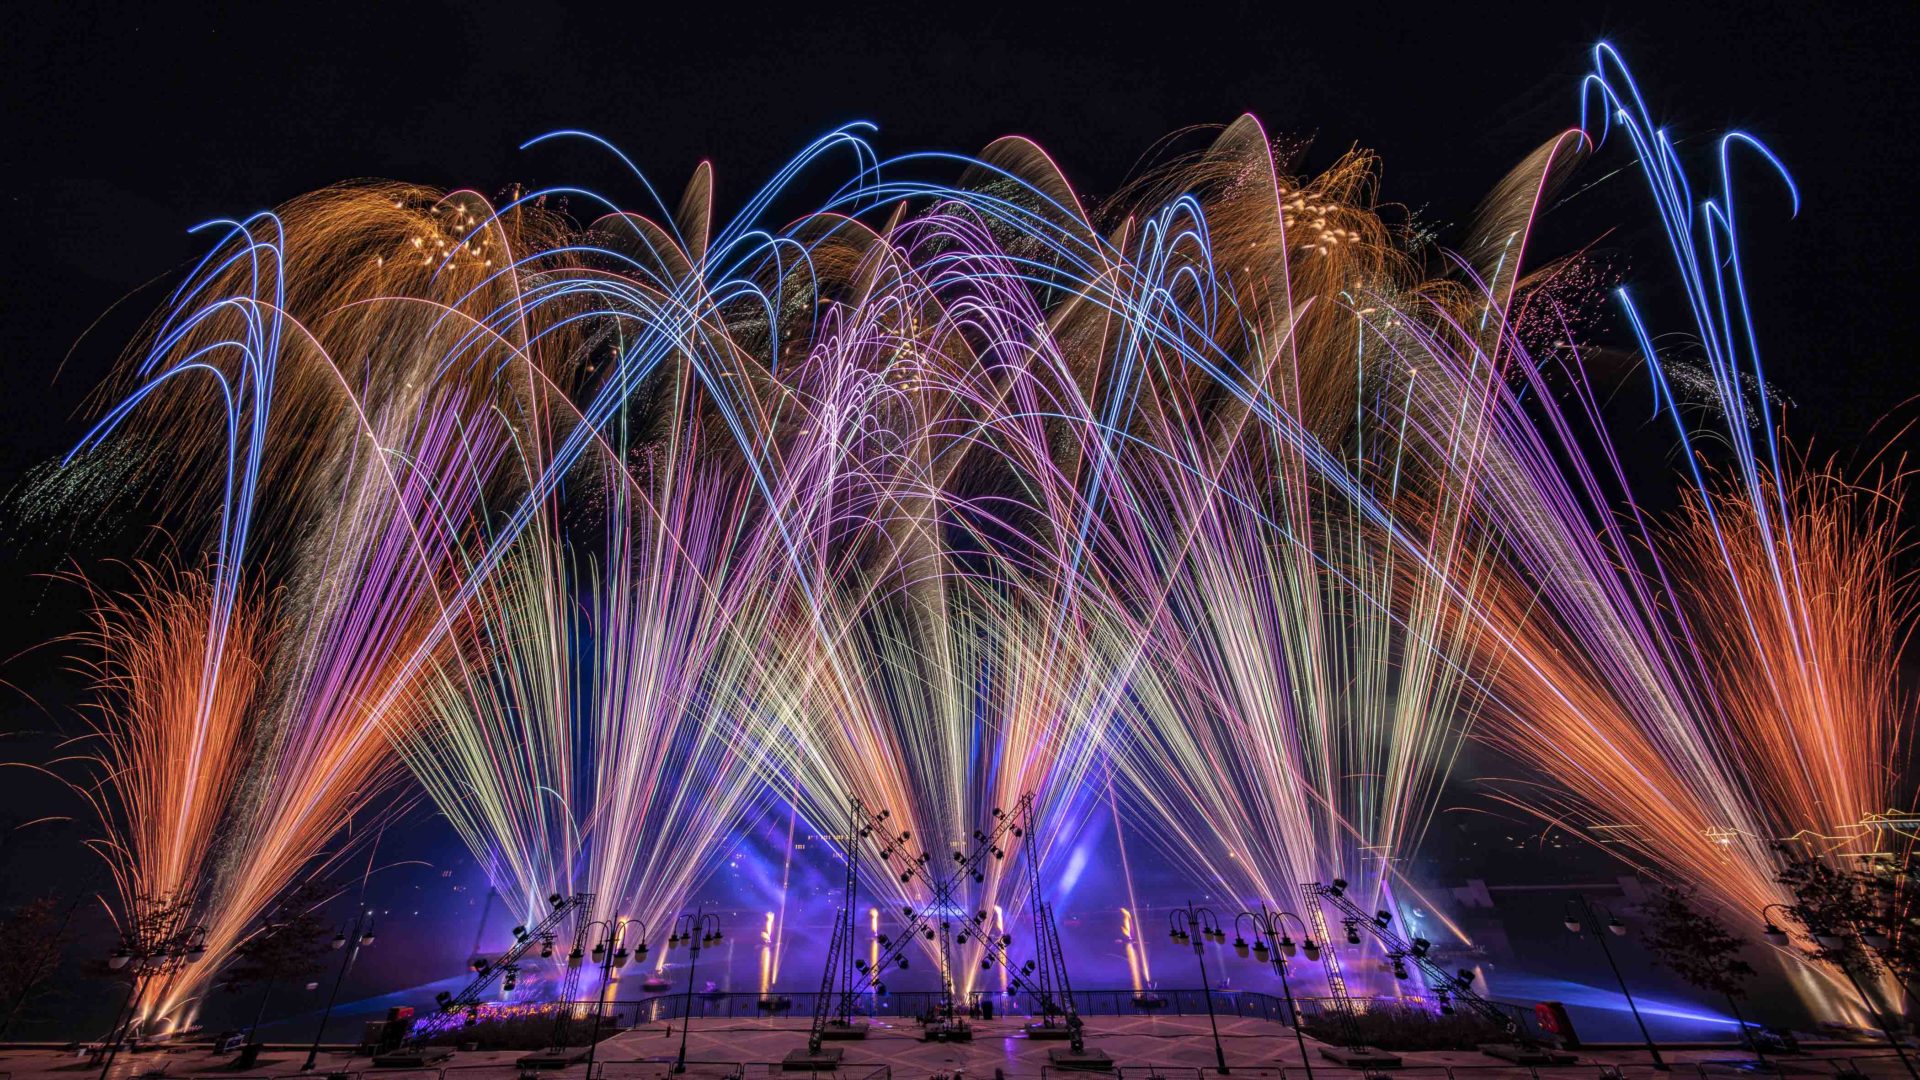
{"x": 1405, "y": 1027}
{"x": 532, "y": 1030}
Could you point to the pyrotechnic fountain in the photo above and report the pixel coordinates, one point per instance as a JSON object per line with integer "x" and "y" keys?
{"x": 1226, "y": 492}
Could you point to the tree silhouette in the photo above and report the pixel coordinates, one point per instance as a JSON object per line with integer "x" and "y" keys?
{"x": 1694, "y": 945}
{"x": 37, "y": 932}
{"x": 288, "y": 946}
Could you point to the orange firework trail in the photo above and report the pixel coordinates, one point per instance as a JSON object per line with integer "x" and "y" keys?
{"x": 1805, "y": 664}
{"x": 164, "y": 760}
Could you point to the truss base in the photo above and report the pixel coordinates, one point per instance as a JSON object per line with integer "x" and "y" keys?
{"x": 948, "y": 1031}
{"x": 558, "y": 1057}
{"x": 1048, "y": 1031}
{"x": 1084, "y": 1060}
{"x": 804, "y": 1061}
{"x": 855, "y": 1030}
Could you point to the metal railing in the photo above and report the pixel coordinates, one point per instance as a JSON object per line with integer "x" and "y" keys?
{"x": 660, "y": 1068}
{"x": 1248, "y": 1004}
{"x": 634, "y": 1069}
{"x": 1811, "y": 1067}
{"x": 1251, "y": 1004}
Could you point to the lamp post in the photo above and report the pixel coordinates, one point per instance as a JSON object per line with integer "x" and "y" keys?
{"x": 1833, "y": 941}
{"x": 612, "y": 955}
{"x": 158, "y": 945}
{"x": 696, "y": 930}
{"x": 1617, "y": 929}
{"x": 1197, "y": 924}
{"x": 1268, "y": 925}
{"x": 360, "y": 936}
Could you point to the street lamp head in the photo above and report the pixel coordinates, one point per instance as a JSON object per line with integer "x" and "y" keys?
{"x": 620, "y": 958}
{"x": 1616, "y": 928}
{"x": 1875, "y": 940}
{"x": 1773, "y": 935}
{"x": 339, "y": 941}
{"x": 1572, "y": 924}
{"x": 574, "y": 956}
{"x": 1830, "y": 939}
{"x": 195, "y": 951}
{"x": 1260, "y": 950}
{"x": 599, "y": 952}
{"x": 1311, "y": 949}
{"x": 118, "y": 959}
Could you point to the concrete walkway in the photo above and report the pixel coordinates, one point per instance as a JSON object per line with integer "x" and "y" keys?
{"x": 1174, "y": 1048}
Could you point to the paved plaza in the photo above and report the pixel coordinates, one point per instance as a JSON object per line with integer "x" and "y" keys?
{"x": 1143, "y": 1048}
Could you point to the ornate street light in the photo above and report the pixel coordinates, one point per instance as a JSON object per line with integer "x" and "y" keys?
{"x": 1269, "y": 923}
{"x": 1195, "y": 925}
{"x": 1617, "y": 929}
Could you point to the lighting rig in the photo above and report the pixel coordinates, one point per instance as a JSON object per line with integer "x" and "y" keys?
{"x": 1447, "y": 988}
{"x": 943, "y": 922}
{"x": 948, "y": 1023}
{"x": 1048, "y": 968}
{"x": 838, "y": 981}
{"x": 507, "y": 968}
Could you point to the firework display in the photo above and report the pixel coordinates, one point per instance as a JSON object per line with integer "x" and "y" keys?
{"x": 1232, "y": 499}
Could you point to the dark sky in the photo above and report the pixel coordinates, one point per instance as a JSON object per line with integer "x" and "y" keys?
{"x": 126, "y": 127}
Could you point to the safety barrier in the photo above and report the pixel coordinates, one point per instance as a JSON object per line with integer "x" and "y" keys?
{"x": 661, "y": 1068}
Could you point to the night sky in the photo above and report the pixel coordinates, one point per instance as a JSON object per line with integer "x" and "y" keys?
{"x": 124, "y": 128}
